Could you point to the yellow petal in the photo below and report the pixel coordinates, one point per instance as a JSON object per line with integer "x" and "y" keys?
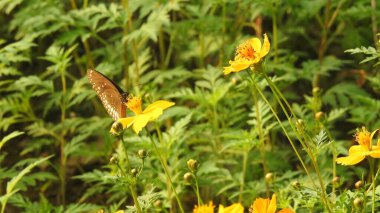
{"x": 127, "y": 122}
{"x": 154, "y": 114}
{"x": 375, "y": 152}
{"x": 356, "y": 154}
{"x": 260, "y": 205}
{"x": 256, "y": 44}
{"x": 350, "y": 160}
{"x": 206, "y": 208}
{"x": 266, "y": 46}
{"x": 161, "y": 104}
{"x": 234, "y": 208}
{"x": 240, "y": 65}
{"x": 286, "y": 210}
{"x": 140, "y": 122}
{"x": 228, "y": 70}
{"x": 264, "y": 205}
{"x": 272, "y": 205}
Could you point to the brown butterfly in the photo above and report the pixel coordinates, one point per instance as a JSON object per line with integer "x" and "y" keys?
{"x": 113, "y": 98}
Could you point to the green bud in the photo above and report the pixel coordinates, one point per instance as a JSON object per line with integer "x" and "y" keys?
{"x": 134, "y": 172}
{"x": 142, "y": 154}
{"x": 319, "y": 115}
{"x": 114, "y": 159}
{"x": 188, "y": 177}
{"x": 359, "y": 184}
{"x": 296, "y": 184}
{"x": 192, "y": 165}
{"x": 358, "y": 202}
{"x": 116, "y": 129}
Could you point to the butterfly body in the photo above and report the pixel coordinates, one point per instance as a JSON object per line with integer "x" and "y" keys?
{"x": 113, "y": 98}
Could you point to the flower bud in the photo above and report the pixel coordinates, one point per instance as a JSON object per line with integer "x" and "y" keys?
{"x": 319, "y": 115}
{"x": 233, "y": 80}
{"x": 134, "y": 172}
{"x": 158, "y": 204}
{"x": 336, "y": 181}
{"x": 359, "y": 184}
{"x": 358, "y": 202}
{"x": 142, "y": 154}
{"x": 188, "y": 177}
{"x": 316, "y": 91}
{"x": 192, "y": 165}
{"x": 269, "y": 177}
{"x": 300, "y": 125}
{"x": 116, "y": 129}
{"x": 114, "y": 159}
{"x": 296, "y": 184}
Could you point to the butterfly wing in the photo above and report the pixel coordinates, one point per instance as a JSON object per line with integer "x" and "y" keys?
{"x": 111, "y": 95}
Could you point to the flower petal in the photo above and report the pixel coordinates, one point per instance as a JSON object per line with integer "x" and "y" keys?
{"x": 286, "y": 210}
{"x": 140, "y": 122}
{"x": 375, "y": 152}
{"x": 234, "y": 208}
{"x": 127, "y": 122}
{"x": 266, "y": 46}
{"x": 256, "y": 44}
{"x": 240, "y": 65}
{"x": 264, "y": 205}
{"x": 272, "y": 205}
{"x": 160, "y": 104}
{"x": 356, "y": 154}
{"x": 350, "y": 160}
{"x": 154, "y": 114}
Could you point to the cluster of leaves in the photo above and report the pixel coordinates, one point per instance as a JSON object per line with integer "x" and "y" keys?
{"x": 175, "y": 50}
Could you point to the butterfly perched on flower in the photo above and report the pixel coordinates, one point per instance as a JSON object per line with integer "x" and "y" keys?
{"x": 113, "y": 98}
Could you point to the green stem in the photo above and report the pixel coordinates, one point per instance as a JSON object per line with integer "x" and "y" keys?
{"x": 242, "y": 181}
{"x": 274, "y": 28}
{"x": 132, "y": 187}
{"x": 280, "y": 99}
{"x": 371, "y": 166}
{"x": 166, "y": 171}
{"x": 282, "y": 127}
{"x": 197, "y": 190}
{"x": 261, "y": 137}
{"x": 62, "y": 169}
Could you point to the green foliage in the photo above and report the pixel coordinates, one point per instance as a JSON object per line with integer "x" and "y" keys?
{"x": 176, "y": 50}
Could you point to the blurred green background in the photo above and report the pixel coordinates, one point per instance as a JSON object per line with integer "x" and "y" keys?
{"x": 176, "y": 50}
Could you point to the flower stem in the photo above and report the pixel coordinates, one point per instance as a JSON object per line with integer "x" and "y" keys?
{"x": 132, "y": 187}
{"x": 200, "y": 202}
{"x": 371, "y": 167}
{"x": 166, "y": 171}
{"x": 282, "y": 127}
{"x": 245, "y": 161}
{"x": 261, "y": 137}
{"x": 280, "y": 99}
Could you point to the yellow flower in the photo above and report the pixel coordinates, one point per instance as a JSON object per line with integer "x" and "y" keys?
{"x": 267, "y": 206}
{"x": 248, "y": 54}
{"x": 234, "y": 208}
{"x": 142, "y": 117}
{"x": 357, "y": 153}
{"x": 204, "y": 208}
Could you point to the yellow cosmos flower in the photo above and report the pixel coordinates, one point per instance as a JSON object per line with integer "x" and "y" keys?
{"x": 142, "y": 117}
{"x": 209, "y": 208}
{"x": 248, "y": 54}
{"x": 267, "y": 206}
{"x": 357, "y": 153}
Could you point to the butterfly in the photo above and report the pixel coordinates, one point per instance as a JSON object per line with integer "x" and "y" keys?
{"x": 113, "y": 98}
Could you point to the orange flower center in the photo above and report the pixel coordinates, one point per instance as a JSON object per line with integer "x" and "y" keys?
{"x": 134, "y": 104}
{"x": 245, "y": 51}
{"x": 363, "y": 137}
